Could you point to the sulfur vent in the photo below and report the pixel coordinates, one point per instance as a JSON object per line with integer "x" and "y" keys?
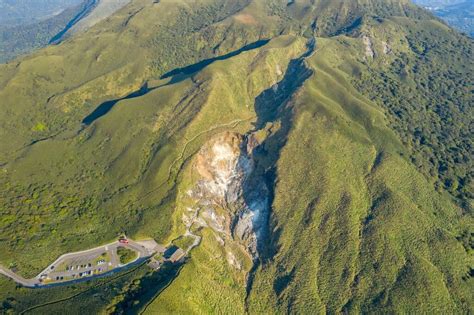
{"x": 235, "y": 203}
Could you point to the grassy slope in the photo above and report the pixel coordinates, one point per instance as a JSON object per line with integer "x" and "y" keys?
{"x": 219, "y": 287}
{"x": 356, "y": 225}
{"x": 425, "y": 83}
{"x": 140, "y": 42}
{"x": 116, "y": 172}
{"x": 365, "y": 231}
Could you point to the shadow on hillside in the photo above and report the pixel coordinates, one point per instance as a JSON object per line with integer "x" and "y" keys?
{"x": 177, "y": 75}
{"x": 137, "y": 299}
{"x": 105, "y": 107}
{"x": 273, "y": 105}
{"x": 204, "y": 63}
{"x": 86, "y": 8}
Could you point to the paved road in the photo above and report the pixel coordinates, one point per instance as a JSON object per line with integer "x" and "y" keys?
{"x": 18, "y": 279}
{"x": 85, "y": 255}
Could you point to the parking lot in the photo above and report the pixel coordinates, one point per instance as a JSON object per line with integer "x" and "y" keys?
{"x": 90, "y": 263}
{"x": 83, "y": 264}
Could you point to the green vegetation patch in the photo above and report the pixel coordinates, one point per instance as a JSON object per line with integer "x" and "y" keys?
{"x": 184, "y": 242}
{"x": 424, "y": 83}
{"x": 126, "y": 255}
{"x": 355, "y": 227}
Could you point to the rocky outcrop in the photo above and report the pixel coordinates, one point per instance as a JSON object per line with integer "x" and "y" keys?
{"x": 223, "y": 165}
{"x": 233, "y": 201}
{"x": 386, "y": 49}
{"x": 369, "y": 50}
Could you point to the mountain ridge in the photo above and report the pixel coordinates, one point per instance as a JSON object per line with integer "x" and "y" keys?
{"x": 356, "y": 223}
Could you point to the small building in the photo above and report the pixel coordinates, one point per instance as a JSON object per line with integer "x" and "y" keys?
{"x": 177, "y": 256}
{"x": 173, "y": 254}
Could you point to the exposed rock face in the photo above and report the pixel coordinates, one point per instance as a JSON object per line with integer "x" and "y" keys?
{"x": 223, "y": 166}
{"x": 235, "y": 203}
{"x": 369, "y": 51}
{"x": 386, "y": 48}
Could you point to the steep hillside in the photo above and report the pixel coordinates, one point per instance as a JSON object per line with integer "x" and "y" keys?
{"x": 435, "y": 120}
{"x": 104, "y": 9}
{"x": 370, "y": 231}
{"x": 320, "y": 149}
{"x": 354, "y": 227}
{"x": 458, "y": 13}
{"x": 16, "y": 40}
{"x": 24, "y": 12}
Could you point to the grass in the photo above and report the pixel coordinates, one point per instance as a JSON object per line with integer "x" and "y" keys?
{"x": 93, "y": 296}
{"x": 118, "y": 182}
{"x": 431, "y": 129}
{"x": 223, "y": 287}
{"x": 364, "y": 232}
{"x": 104, "y": 256}
{"x": 184, "y": 242}
{"x": 356, "y": 227}
{"x": 126, "y": 255}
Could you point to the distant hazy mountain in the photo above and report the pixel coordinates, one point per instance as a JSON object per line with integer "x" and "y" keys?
{"x": 438, "y": 2}
{"x": 22, "y": 36}
{"x": 457, "y": 13}
{"x": 21, "y": 12}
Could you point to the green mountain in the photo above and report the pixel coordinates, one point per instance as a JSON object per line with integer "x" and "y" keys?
{"x": 24, "y": 12}
{"x": 16, "y": 40}
{"x": 321, "y": 150}
{"x": 459, "y": 13}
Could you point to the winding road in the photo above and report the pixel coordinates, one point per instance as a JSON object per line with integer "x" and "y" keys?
{"x": 143, "y": 252}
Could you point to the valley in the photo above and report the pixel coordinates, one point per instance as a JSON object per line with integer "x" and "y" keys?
{"x": 88, "y": 6}
{"x": 74, "y": 16}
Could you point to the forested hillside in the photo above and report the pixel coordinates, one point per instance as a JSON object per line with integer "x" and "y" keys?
{"x": 23, "y": 38}
{"x": 25, "y": 12}
{"x": 427, "y": 92}
{"x": 457, "y": 13}
{"x": 17, "y": 40}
